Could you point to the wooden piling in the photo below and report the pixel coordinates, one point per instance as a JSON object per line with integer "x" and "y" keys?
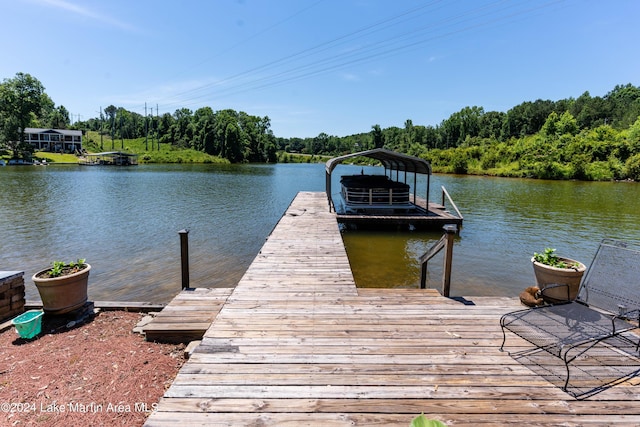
{"x": 184, "y": 257}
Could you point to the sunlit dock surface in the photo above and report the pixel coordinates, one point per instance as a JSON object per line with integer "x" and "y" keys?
{"x": 296, "y": 343}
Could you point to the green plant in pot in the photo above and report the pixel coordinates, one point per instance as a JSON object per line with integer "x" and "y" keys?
{"x": 551, "y": 269}
{"x": 63, "y": 286}
{"x": 422, "y": 421}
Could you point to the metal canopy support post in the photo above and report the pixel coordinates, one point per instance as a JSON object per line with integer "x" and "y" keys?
{"x": 328, "y": 189}
{"x": 184, "y": 257}
{"x": 415, "y": 185}
{"x": 428, "y": 185}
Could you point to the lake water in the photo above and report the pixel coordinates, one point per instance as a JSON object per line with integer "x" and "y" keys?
{"x": 125, "y": 222}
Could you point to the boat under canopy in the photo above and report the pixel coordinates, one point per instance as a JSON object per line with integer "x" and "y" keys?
{"x": 379, "y": 200}
{"x": 109, "y": 158}
{"x": 373, "y": 193}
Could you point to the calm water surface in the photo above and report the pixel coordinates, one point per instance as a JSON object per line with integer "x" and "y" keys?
{"x": 125, "y": 222}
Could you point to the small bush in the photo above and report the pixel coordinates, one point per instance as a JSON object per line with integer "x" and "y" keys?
{"x": 633, "y": 167}
{"x": 598, "y": 171}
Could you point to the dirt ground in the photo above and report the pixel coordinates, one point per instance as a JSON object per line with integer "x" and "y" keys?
{"x": 99, "y": 373}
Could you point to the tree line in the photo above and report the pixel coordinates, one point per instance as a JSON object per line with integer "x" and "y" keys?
{"x": 235, "y": 136}
{"x": 589, "y": 137}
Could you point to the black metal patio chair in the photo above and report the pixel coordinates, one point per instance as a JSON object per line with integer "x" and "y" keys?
{"x": 607, "y": 305}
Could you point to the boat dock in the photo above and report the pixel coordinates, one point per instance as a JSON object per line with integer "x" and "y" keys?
{"x": 435, "y": 217}
{"x": 296, "y": 343}
{"x": 109, "y": 158}
{"x": 382, "y": 201}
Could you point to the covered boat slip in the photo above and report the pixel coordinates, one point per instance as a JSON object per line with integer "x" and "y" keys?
{"x": 384, "y": 200}
{"x": 109, "y": 158}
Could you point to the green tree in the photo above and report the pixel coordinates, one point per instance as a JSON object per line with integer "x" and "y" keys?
{"x": 165, "y": 126}
{"x": 318, "y": 144}
{"x": 624, "y": 104}
{"x": 204, "y": 121}
{"x": 21, "y": 101}
{"x": 255, "y": 135}
{"x": 633, "y": 139}
{"x": 526, "y": 118}
{"x": 232, "y": 143}
{"x": 393, "y": 137}
{"x": 377, "y": 136}
{"x": 408, "y": 136}
{"x": 633, "y": 167}
{"x": 567, "y": 124}
{"x": 590, "y": 112}
{"x": 491, "y": 124}
{"x": 182, "y": 131}
{"x": 550, "y": 127}
{"x": 58, "y": 118}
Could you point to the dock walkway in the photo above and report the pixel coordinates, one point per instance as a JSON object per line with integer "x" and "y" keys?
{"x": 297, "y": 343}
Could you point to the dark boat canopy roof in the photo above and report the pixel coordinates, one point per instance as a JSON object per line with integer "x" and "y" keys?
{"x": 389, "y": 159}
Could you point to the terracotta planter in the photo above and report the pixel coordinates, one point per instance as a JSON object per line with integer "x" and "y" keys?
{"x": 547, "y": 275}
{"x": 64, "y": 293}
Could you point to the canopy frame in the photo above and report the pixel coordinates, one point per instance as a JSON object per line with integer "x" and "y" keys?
{"x": 391, "y": 160}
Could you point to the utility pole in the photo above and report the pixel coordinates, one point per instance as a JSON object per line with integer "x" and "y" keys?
{"x": 157, "y": 120}
{"x": 121, "y": 134}
{"x": 113, "y": 130}
{"x": 101, "y": 125}
{"x": 146, "y": 129}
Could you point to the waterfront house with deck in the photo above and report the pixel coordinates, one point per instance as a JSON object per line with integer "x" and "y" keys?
{"x": 56, "y": 140}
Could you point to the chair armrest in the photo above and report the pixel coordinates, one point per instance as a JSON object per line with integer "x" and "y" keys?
{"x": 625, "y": 316}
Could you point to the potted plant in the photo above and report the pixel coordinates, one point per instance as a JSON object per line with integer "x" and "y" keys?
{"x": 63, "y": 286}
{"x": 551, "y": 269}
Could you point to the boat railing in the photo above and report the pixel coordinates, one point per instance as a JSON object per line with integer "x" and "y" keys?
{"x": 447, "y": 197}
{"x": 376, "y": 196}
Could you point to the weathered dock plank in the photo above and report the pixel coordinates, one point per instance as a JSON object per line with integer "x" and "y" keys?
{"x": 296, "y": 343}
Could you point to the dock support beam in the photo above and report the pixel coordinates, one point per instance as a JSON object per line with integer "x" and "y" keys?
{"x": 184, "y": 257}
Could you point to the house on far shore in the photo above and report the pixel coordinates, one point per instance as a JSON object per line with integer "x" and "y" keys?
{"x": 55, "y": 140}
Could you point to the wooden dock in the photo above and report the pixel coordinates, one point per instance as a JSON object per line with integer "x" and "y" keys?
{"x": 296, "y": 343}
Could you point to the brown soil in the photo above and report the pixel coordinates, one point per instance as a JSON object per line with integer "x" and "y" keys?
{"x": 99, "y": 373}
{"x": 64, "y": 270}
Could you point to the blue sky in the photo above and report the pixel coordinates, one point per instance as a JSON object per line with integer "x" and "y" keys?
{"x": 312, "y": 66}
